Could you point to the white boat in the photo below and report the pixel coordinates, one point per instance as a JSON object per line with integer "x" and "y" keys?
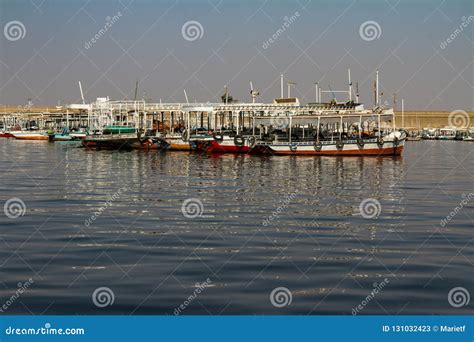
{"x": 470, "y": 135}
{"x": 390, "y": 144}
{"x": 447, "y": 133}
{"x": 429, "y": 133}
{"x": 31, "y": 136}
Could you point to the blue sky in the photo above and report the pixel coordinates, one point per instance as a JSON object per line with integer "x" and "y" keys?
{"x": 319, "y": 43}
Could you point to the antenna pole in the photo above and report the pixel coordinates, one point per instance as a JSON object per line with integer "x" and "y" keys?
{"x": 403, "y": 113}
{"x": 316, "y": 92}
{"x": 136, "y": 89}
{"x": 82, "y": 94}
{"x": 350, "y": 84}
{"x": 377, "y": 88}
{"x": 357, "y": 92}
{"x": 186, "y": 96}
{"x": 281, "y": 86}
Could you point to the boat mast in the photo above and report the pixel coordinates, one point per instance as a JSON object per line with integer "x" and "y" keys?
{"x": 350, "y": 84}
{"x": 281, "y": 86}
{"x": 403, "y": 113}
{"x": 316, "y": 92}
{"x": 377, "y": 88}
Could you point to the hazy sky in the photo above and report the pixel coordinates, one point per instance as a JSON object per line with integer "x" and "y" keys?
{"x": 46, "y": 47}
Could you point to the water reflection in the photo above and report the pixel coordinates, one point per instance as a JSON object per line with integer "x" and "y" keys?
{"x": 266, "y": 222}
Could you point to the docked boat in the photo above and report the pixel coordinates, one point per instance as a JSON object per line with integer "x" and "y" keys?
{"x": 125, "y": 141}
{"x": 429, "y": 134}
{"x": 63, "y": 136}
{"x": 78, "y": 135}
{"x": 446, "y": 133}
{"x": 470, "y": 135}
{"x": 185, "y": 142}
{"x": 31, "y": 136}
{"x": 9, "y": 134}
{"x": 225, "y": 143}
{"x": 390, "y": 144}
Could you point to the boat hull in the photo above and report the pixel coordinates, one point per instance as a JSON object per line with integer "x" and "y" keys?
{"x": 390, "y": 145}
{"x": 177, "y": 143}
{"x": 62, "y": 138}
{"x": 123, "y": 143}
{"x": 225, "y": 144}
{"x": 330, "y": 151}
{"x": 31, "y": 137}
{"x": 214, "y": 146}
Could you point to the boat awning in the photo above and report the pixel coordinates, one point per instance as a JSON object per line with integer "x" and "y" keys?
{"x": 323, "y": 119}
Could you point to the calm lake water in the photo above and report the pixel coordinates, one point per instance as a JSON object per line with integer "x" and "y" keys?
{"x": 249, "y": 225}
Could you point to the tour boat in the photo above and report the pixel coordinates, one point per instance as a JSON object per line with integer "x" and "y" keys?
{"x": 124, "y": 141}
{"x": 470, "y": 135}
{"x": 9, "y": 134}
{"x": 447, "y": 133}
{"x": 224, "y": 144}
{"x": 429, "y": 133}
{"x": 31, "y": 136}
{"x": 183, "y": 142}
{"x": 78, "y": 135}
{"x": 390, "y": 144}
